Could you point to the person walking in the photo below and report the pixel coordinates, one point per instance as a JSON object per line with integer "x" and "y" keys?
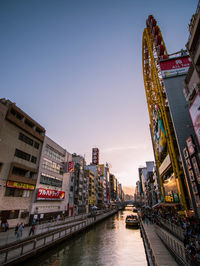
{"x": 20, "y": 230}
{"x": 16, "y": 229}
{"x": 32, "y": 230}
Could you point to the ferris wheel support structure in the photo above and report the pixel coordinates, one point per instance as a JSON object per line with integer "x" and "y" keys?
{"x": 154, "y": 50}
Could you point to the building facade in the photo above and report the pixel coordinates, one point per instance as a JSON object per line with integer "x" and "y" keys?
{"x": 51, "y": 197}
{"x": 21, "y": 140}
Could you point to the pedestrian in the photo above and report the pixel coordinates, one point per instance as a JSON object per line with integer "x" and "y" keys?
{"x": 32, "y": 230}
{"x": 16, "y": 229}
{"x": 20, "y": 230}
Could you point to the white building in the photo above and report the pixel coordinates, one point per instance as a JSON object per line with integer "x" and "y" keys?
{"x": 52, "y": 189}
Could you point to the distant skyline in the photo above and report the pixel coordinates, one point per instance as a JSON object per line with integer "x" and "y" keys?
{"x": 76, "y": 68}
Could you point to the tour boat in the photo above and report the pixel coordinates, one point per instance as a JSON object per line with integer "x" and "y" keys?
{"x": 132, "y": 221}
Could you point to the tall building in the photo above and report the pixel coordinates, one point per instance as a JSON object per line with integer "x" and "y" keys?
{"x": 146, "y": 176}
{"x": 91, "y": 188}
{"x": 21, "y": 140}
{"x": 80, "y": 184}
{"x": 191, "y": 90}
{"x": 52, "y": 189}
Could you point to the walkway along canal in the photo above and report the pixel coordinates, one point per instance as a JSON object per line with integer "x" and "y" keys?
{"x": 106, "y": 243}
{"x": 101, "y": 240}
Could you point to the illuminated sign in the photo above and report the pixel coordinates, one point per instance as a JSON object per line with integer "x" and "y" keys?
{"x": 175, "y": 66}
{"x": 95, "y": 156}
{"x": 49, "y": 194}
{"x": 14, "y": 184}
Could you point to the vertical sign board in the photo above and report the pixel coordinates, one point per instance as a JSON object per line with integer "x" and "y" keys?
{"x": 70, "y": 167}
{"x": 95, "y": 156}
{"x": 195, "y": 115}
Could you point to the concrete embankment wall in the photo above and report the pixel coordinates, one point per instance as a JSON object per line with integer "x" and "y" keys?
{"x": 17, "y": 252}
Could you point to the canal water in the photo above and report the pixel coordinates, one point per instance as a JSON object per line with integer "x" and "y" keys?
{"x": 108, "y": 243}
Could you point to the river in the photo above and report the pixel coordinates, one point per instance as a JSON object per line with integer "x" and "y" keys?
{"x": 108, "y": 243}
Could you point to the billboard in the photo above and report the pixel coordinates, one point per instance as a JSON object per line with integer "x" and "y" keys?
{"x": 195, "y": 115}
{"x": 101, "y": 169}
{"x": 70, "y": 167}
{"x": 171, "y": 190}
{"x": 175, "y": 66}
{"x": 50, "y": 194}
{"x": 95, "y": 156}
{"x": 159, "y": 134}
{"x": 18, "y": 185}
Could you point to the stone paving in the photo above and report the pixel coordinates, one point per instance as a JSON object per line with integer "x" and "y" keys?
{"x": 160, "y": 252}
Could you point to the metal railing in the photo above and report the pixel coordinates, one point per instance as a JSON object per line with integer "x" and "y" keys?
{"x": 173, "y": 244}
{"x": 25, "y": 248}
{"x": 174, "y": 229}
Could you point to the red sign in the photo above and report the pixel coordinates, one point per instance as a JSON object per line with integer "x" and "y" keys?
{"x": 95, "y": 156}
{"x": 70, "y": 167}
{"x": 43, "y": 194}
{"x": 175, "y": 66}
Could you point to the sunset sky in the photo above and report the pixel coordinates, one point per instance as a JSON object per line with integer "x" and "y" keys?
{"x": 76, "y": 68}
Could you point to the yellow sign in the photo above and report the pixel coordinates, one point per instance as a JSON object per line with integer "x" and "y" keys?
{"x": 169, "y": 198}
{"x": 101, "y": 169}
{"x": 14, "y": 184}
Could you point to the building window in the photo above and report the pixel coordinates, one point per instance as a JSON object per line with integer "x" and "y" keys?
{"x": 23, "y": 155}
{"x": 36, "y": 145}
{"x": 33, "y": 159}
{"x": 13, "y": 214}
{"x": 51, "y": 166}
{"x": 54, "y": 154}
{"x": 29, "y": 123}
{"x": 1, "y": 165}
{"x": 28, "y": 140}
{"x": 49, "y": 180}
{"x": 25, "y": 139}
{"x": 16, "y": 114}
{"x": 26, "y": 194}
{"x": 13, "y": 192}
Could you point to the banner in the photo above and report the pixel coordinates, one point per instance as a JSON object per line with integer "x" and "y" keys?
{"x": 14, "y": 184}
{"x": 101, "y": 169}
{"x": 47, "y": 194}
{"x": 70, "y": 167}
{"x": 175, "y": 66}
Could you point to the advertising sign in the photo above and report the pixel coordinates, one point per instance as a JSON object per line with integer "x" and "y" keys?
{"x": 95, "y": 156}
{"x": 70, "y": 167}
{"x": 159, "y": 134}
{"x": 190, "y": 145}
{"x": 101, "y": 169}
{"x": 195, "y": 115}
{"x": 18, "y": 185}
{"x": 49, "y": 194}
{"x": 171, "y": 190}
{"x": 175, "y": 66}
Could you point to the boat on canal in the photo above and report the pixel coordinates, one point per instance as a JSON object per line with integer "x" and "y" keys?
{"x": 132, "y": 221}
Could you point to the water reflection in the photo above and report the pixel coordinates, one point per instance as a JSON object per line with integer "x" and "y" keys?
{"x": 108, "y": 243}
